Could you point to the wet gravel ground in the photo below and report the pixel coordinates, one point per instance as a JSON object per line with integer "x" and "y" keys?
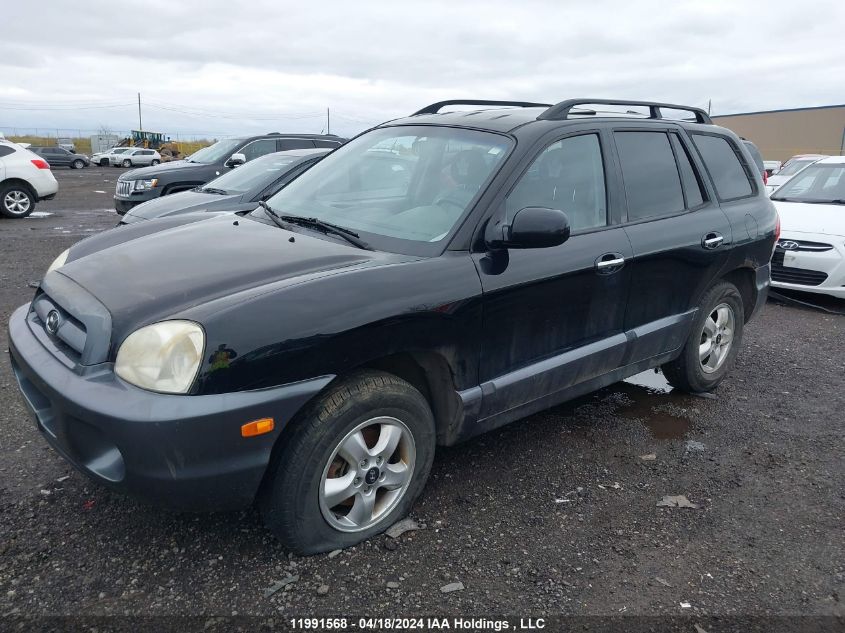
{"x": 557, "y": 513}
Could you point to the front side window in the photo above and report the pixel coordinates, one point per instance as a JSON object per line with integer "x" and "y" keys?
{"x": 256, "y": 173}
{"x": 400, "y": 187}
{"x": 822, "y": 183}
{"x": 650, "y": 174}
{"x": 721, "y": 159}
{"x": 258, "y": 148}
{"x": 567, "y": 175}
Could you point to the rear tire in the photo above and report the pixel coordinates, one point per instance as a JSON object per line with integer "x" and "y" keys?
{"x": 372, "y": 434}
{"x": 16, "y": 201}
{"x": 155, "y": 162}
{"x": 77, "y": 164}
{"x": 713, "y": 343}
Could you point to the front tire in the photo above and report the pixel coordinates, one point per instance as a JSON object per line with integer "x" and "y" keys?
{"x": 16, "y": 201}
{"x": 127, "y": 163}
{"x": 713, "y": 344}
{"x": 354, "y": 462}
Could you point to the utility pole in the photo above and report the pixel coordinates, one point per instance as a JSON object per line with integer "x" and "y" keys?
{"x": 328, "y": 122}
{"x": 140, "y": 124}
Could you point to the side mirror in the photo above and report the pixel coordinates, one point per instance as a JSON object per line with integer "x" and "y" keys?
{"x": 531, "y": 227}
{"x": 235, "y": 160}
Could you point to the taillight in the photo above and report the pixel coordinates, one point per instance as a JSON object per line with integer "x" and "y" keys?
{"x": 41, "y": 164}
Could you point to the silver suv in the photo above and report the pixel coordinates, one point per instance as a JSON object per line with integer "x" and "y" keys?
{"x": 135, "y": 157}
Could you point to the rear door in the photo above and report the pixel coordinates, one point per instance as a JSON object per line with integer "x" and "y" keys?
{"x": 553, "y": 316}
{"x": 679, "y": 234}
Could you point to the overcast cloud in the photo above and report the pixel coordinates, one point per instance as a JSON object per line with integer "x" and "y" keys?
{"x": 220, "y": 68}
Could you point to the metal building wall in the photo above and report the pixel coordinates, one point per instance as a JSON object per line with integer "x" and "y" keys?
{"x": 781, "y": 134}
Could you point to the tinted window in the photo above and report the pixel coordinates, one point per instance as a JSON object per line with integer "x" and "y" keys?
{"x": 692, "y": 182}
{"x": 567, "y": 175}
{"x": 652, "y": 183}
{"x": 258, "y": 148}
{"x": 724, "y": 166}
{"x": 5, "y": 150}
{"x": 295, "y": 143}
{"x": 332, "y": 144}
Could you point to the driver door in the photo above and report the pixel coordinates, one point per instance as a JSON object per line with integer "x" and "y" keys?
{"x": 553, "y": 317}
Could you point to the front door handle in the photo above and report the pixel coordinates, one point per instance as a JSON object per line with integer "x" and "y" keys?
{"x": 609, "y": 263}
{"x": 712, "y": 240}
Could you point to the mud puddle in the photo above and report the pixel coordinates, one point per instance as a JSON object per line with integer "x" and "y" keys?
{"x": 655, "y": 404}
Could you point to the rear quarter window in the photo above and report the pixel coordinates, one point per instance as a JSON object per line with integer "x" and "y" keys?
{"x": 5, "y": 150}
{"x": 730, "y": 176}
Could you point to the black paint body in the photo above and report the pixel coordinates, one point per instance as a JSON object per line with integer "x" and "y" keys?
{"x": 488, "y": 335}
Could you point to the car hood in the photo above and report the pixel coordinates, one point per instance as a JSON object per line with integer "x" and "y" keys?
{"x": 183, "y": 202}
{"x": 142, "y": 274}
{"x": 801, "y": 217}
{"x": 154, "y": 171}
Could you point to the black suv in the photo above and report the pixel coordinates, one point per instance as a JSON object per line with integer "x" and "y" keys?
{"x": 139, "y": 185}
{"x": 436, "y": 277}
{"x": 60, "y": 157}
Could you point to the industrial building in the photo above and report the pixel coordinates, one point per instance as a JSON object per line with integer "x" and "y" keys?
{"x": 781, "y": 134}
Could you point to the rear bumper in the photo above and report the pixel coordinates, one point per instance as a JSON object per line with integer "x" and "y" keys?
{"x": 181, "y": 451}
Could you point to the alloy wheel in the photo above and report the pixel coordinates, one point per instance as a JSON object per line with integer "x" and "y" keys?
{"x": 17, "y": 202}
{"x": 367, "y": 475}
{"x": 716, "y": 338}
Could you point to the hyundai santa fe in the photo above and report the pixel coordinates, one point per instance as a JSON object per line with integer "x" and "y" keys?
{"x": 436, "y": 277}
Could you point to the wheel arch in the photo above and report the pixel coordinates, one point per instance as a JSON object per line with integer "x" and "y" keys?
{"x": 21, "y": 183}
{"x": 743, "y": 279}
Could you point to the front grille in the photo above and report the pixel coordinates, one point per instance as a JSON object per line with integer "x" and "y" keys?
{"x": 71, "y": 334}
{"x": 123, "y": 188}
{"x": 803, "y": 245}
{"x": 789, "y": 275}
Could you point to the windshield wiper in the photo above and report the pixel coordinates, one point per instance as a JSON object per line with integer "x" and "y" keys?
{"x": 221, "y": 192}
{"x": 316, "y": 224}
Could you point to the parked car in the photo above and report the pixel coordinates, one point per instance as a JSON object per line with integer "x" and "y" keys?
{"x": 140, "y": 185}
{"x": 60, "y": 157}
{"x": 810, "y": 255}
{"x": 436, "y": 277}
{"x": 771, "y": 166}
{"x": 790, "y": 168}
{"x": 102, "y": 158}
{"x": 67, "y": 144}
{"x": 135, "y": 157}
{"x": 25, "y": 178}
{"x": 236, "y": 190}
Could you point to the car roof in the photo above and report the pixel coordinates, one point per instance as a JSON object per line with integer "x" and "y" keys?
{"x": 832, "y": 160}
{"x": 310, "y": 151}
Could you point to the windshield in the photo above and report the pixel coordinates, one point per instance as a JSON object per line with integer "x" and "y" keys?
{"x": 794, "y": 166}
{"x": 402, "y": 187}
{"x": 818, "y": 183}
{"x": 256, "y": 173}
{"x": 216, "y": 152}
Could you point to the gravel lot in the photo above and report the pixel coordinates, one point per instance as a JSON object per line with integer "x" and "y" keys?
{"x": 555, "y": 514}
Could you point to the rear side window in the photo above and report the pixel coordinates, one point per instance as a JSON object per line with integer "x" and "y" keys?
{"x": 652, "y": 183}
{"x": 721, "y": 159}
{"x": 295, "y": 143}
{"x": 332, "y": 144}
{"x": 689, "y": 177}
{"x": 5, "y": 150}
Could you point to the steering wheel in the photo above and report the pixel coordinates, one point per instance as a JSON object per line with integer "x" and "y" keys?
{"x": 453, "y": 199}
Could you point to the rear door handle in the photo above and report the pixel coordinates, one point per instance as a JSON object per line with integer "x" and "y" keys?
{"x": 609, "y": 263}
{"x": 712, "y": 240}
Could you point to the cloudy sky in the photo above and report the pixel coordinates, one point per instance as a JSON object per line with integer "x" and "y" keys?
{"x": 217, "y": 68}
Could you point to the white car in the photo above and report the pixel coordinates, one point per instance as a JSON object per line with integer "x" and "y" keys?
{"x": 102, "y": 158}
{"x": 810, "y": 254}
{"x": 25, "y": 178}
{"x": 789, "y": 169}
{"x": 135, "y": 157}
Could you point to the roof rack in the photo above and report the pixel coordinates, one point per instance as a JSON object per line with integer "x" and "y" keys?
{"x": 560, "y": 111}
{"x": 434, "y": 108}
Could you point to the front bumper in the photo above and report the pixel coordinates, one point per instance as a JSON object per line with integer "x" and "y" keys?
{"x": 181, "y": 451}
{"x": 820, "y": 272}
{"x": 126, "y": 198}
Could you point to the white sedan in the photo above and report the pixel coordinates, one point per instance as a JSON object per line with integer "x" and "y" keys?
{"x": 810, "y": 254}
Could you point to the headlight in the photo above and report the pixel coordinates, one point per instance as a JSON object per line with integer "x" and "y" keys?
{"x": 162, "y": 357}
{"x": 59, "y": 261}
{"x": 140, "y": 185}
